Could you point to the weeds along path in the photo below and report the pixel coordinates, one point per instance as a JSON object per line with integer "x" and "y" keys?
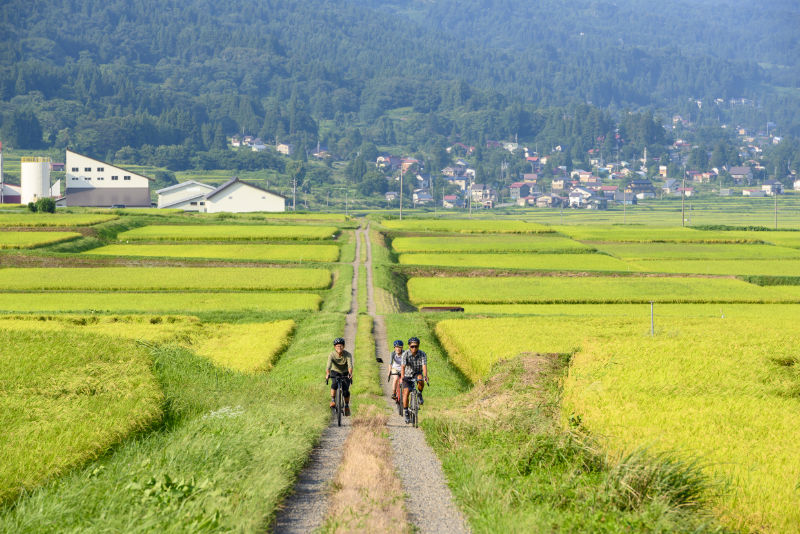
{"x": 428, "y": 498}
{"x": 304, "y": 510}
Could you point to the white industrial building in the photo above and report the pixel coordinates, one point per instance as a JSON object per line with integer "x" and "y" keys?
{"x": 234, "y": 196}
{"x": 91, "y": 182}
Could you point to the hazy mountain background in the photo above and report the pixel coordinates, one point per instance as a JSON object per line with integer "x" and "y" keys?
{"x": 105, "y": 76}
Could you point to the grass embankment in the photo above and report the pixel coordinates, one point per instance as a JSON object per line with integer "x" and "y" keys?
{"x": 227, "y": 232}
{"x": 18, "y": 240}
{"x": 163, "y": 278}
{"x": 514, "y": 468}
{"x": 66, "y": 398}
{"x": 261, "y": 252}
{"x": 166, "y": 302}
{"x": 389, "y": 290}
{"x": 230, "y": 448}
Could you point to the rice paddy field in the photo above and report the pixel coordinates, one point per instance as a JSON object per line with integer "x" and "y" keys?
{"x": 227, "y": 233}
{"x": 721, "y": 389}
{"x": 261, "y": 252}
{"x": 10, "y": 240}
{"x": 491, "y": 243}
{"x": 465, "y": 226}
{"x": 697, "y": 251}
{"x": 163, "y": 278}
{"x": 161, "y": 302}
{"x": 16, "y": 220}
{"x": 539, "y": 262}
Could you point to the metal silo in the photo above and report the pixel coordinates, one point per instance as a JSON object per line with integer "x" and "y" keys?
{"x": 35, "y": 178}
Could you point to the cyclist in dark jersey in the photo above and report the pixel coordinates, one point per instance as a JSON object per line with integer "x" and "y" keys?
{"x": 395, "y": 364}
{"x": 340, "y": 363}
{"x": 414, "y": 364}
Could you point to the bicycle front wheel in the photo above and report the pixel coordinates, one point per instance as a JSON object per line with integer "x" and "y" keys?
{"x": 339, "y": 407}
{"x": 414, "y": 409}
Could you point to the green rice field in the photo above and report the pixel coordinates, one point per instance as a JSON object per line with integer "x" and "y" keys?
{"x": 12, "y": 220}
{"x": 556, "y": 289}
{"x": 11, "y": 240}
{"x": 489, "y": 243}
{"x": 261, "y": 252}
{"x": 227, "y": 233}
{"x": 697, "y": 251}
{"x": 465, "y": 226}
{"x": 171, "y": 302}
{"x": 655, "y": 234}
{"x": 162, "y": 278}
{"x": 539, "y": 262}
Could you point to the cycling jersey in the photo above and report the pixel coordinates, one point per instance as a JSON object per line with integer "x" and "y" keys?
{"x": 397, "y": 360}
{"x": 414, "y": 363}
{"x": 341, "y": 364}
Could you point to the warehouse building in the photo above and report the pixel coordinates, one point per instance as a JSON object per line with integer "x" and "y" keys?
{"x": 91, "y": 182}
{"x": 234, "y": 196}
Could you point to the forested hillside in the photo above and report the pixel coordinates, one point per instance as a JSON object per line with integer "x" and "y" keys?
{"x": 163, "y": 81}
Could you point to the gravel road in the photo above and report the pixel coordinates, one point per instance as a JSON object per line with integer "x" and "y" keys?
{"x": 304, "y": 510}
{"x": 428, "y": 498}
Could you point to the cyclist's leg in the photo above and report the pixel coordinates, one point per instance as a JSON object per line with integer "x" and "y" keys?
{"x": 406, "y": 389}
{"x": 334, "y": 385}
{"x": 346, "y": 390}
{"x": 421, "y": 383}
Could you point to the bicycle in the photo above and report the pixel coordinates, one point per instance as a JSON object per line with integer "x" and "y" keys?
{"x": 398, "y": 392}
{"x": 413, "y": 402}
{"x": 338, "y": 409}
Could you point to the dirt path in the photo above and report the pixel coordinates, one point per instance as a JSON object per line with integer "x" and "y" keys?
{"x": 304, "y": 510}
{"x": 428, "y": 499}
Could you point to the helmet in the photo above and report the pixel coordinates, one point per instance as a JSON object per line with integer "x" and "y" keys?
{"x": 398, "y": 343}
{"x": 338, "y": 341}
{"x": 413, "y": 340}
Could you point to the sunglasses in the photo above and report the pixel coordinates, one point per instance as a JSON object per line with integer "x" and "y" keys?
{"x": 413, "y": 346}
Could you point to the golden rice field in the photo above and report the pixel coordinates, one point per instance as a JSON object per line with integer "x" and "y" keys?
{"x": 466, "y": 226}
{"x": 597, "y": 289}
{"x": 535, "y": 262}
{"x": 9, "y": 220}
{"x": 260, "y": 252}
{"x": 161, "y": 302}
{"x": 163, "y": 278}
{"x": 722, "y": 389}
{"x": 12, "y": 240}
{"x": 229, "y": 232}
{"x": 697, "y": 251}
{"x": 775, "y": 267}
{"x": 656, "y": 234}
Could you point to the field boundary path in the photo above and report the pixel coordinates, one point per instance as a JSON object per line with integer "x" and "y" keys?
{"x": 429, "y": 500}
{"x": 304, "y": 510}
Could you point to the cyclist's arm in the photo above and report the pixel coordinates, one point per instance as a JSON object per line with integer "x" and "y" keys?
{"x": 350, "y": 364}
{"x": 328, "y": 368}
{"x": 425, "y": 370}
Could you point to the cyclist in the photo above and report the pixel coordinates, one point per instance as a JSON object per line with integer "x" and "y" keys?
{"x": 414, "y": 364}
{"x": 396, "y": 359}
{"x": 340, "y": 363}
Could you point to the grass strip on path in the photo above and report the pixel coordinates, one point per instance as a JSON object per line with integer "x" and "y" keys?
{"x": 262, "y": 252}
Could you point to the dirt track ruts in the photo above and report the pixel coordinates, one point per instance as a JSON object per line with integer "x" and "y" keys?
{"x": 428, "y": 498}
{"x": 304, "y": 510}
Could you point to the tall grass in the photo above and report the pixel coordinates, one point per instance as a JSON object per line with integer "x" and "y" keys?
{"x": 230, "y": 448}
{"x": 67, "y": 397}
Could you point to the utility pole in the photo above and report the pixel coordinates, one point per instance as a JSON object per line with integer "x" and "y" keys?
{"x": 294, "y": 193}
{"x": 775, "y": 193}
{"x": 624, "y": 205}
{"x": 401, "y": 192}
{"x": 683, "y": 198}
{"x": 469, "y": 196}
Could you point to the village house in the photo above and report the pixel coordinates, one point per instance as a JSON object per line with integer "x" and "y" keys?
{"x": 557, "y": 184}
{"x": 421, "y": 197}
{"x": 796, "y": 184}
{"x": 670, "y": 186}
{"x": 772, "y": 187}
{"x": 286, "y": 149}
{"x": 686, "y": 191}
{"x": 608, "y": 191}
{"x": 450, "y": 201}
{"x": 387, "y": 161}
{"x": 391, "y": 196}
{"x": 741, "y": 175}
{"x": 755, "y": 193}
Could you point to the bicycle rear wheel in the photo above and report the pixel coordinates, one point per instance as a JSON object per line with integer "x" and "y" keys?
{"x": 414, "y": 408}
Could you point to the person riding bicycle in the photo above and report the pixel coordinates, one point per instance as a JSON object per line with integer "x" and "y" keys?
{"x": 396, "y": 362}
{"x": 414, "y": 364}
{"x": 340, "y": 363}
